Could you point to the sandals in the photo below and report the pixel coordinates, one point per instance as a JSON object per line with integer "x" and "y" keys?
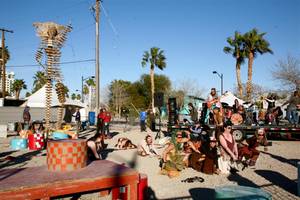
{"x": 193, "y": 179}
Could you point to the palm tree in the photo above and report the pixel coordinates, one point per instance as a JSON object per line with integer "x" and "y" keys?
{"x": 90, "y": 82}
{"x": 39, "y": 80}
{"x": 6, "y": 55}
{"x": 236, "y": 49}
{"x": 17, "y": 86}
{"x": 254, "y": 43}
{"x": 73, "y": 96}
{"x": 157, "y": 59}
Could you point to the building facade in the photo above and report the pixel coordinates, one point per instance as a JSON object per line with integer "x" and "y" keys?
{"x": 9, "y": 80}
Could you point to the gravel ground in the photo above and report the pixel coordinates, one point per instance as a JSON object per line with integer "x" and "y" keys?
{"x": 275, "y": 171}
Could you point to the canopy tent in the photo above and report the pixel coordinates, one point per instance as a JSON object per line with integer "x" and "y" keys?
{"x": 38, "y": 99}
{"x": 229, "y": 98}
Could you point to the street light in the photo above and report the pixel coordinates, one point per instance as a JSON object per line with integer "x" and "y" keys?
{"x": 221, "y": 77}
{"x": 83, "y": 79}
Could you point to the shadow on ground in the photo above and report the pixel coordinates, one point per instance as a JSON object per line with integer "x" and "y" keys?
{"x": 292, "y": 162}
{"x": 20, "y": 159}
{"x": 279, "y": 180}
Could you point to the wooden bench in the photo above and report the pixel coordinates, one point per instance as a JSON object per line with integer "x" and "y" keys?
{"x": 39, "y": 183}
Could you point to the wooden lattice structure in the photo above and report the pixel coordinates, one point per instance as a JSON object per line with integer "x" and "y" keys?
{"x": 53, "y": 36}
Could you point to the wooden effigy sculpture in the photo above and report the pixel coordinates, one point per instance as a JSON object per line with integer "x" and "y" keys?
{"x": 53, "y": 36}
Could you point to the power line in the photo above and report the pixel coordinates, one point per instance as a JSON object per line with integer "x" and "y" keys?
{"x": 62, "y": 63}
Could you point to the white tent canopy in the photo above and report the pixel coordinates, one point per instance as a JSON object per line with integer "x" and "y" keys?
{"x": 38, "y": 99}
{"x": 229, "y": 98}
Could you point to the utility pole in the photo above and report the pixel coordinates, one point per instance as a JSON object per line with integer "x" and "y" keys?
{"x": 97, "y": 70}
{"x": 3, "y": 60}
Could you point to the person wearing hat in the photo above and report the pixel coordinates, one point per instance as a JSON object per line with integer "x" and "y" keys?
{"x": 229, "y": 150}
{"x": 211, "y": 157}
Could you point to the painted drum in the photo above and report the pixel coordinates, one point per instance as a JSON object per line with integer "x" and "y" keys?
{"x": 36, "y": 141}
{"x": 59, "y": 136}
{"x": 241, "y": 193}
{"x": 18, "y": 143}
{"x": 66, "y": 155}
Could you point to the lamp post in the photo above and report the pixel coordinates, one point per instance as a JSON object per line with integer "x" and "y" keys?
{"x": 83, "y": 79}
{"x": 221, "y": 77}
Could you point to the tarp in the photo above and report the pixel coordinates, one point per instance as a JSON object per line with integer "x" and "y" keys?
{"x": 229, "y": 98}
{"x": 38, "y": 99}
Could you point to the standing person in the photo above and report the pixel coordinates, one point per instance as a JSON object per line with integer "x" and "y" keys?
{"x": 193, "y": 112}
{"x": 100, "y": 118}
{"x": 212, "y": 102}
{"x": 78, "y": 120}
{"x": 291, "y": 112}
{"x": 143, "y": 117}
{"x": 229, "y": 150}
{"x": 68, "y": 115}
{"x": 235, "y": 106}
{"x": 26, "y": 117}
{"x": 106, "y": 122}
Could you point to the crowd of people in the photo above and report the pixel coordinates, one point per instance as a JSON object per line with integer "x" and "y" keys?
{"x": 215, "y": 112}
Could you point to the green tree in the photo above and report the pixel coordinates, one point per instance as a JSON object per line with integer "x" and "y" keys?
{"x": 66, "y": 91}
{"x": 6, "y": 55}
{"x": 27, "y": 94}
{"x": 236, "y": 49}
{"x": 254, "y": 43}
{"x": 17, "y": 86}
{"x": 156, "y": 58}
{"x": 39, "y": 80}
{"x": 78, "y": 96}
{"x": 73, "y": 96}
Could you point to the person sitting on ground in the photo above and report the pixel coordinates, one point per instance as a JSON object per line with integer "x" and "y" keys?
{"x": 37, "y": 127}
{"x": 229, "y": 150}
{"x": 96, "y": 144}
{"x": 196, "y": 130}
{"x": 248, "y": 149}
{"x": 146, "y": 147}
{"x": 125, "y": 143}
{"x": 180, "y": 144}
{"x": 211, "y": 157}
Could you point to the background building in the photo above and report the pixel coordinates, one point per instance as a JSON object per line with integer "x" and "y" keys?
{"x": 10, "y": 78}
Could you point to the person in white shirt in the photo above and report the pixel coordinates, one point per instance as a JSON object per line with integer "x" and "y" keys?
{"x": 146, "y": 147}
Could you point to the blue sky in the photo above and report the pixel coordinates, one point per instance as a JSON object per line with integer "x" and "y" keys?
{"x": 191, "y": 32}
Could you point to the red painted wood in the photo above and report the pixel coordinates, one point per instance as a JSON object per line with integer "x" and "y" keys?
{"x": 38, "y": 182}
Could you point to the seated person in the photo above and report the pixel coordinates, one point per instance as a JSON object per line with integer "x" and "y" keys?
{"x": 146, "y": 147}
{"x": 248, "y": 149}
{"x": 125, "y": 143}
{"x": 229, "y": 150}
{"x": 95, "y": 144}
{"x": 236, "y": 119}
{"x": 196, "y": 130}
{"x": 180, "y": 144}
{"x": 211, "y": 157}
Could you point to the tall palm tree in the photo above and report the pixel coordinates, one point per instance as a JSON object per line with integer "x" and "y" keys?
{"x": 236, "y": 48}
{"x": 155, "y": 57}
{"x": 2, "y": 70}
{"x": 39, "y": 80}
{"x": 17, "y": 86}
{"x": 6, "y": 55}
{"x": 90, "y": 82}
{"x": 254, "y": 44}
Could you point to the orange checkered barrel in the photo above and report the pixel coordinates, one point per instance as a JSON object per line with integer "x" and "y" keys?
{"x": 66, "y": 155}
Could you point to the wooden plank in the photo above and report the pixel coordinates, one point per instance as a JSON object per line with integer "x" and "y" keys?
{"x": 21, "y": 183}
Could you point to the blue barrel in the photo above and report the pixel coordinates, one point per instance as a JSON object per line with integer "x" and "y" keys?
{"x": 92, "y": 117}
{"x": 59, "y": 136}
{"x": 241, "y": 193}
{"x": 18, "y": 143}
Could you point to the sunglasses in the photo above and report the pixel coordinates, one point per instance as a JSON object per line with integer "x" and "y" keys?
{"x": 229, "y": 127}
